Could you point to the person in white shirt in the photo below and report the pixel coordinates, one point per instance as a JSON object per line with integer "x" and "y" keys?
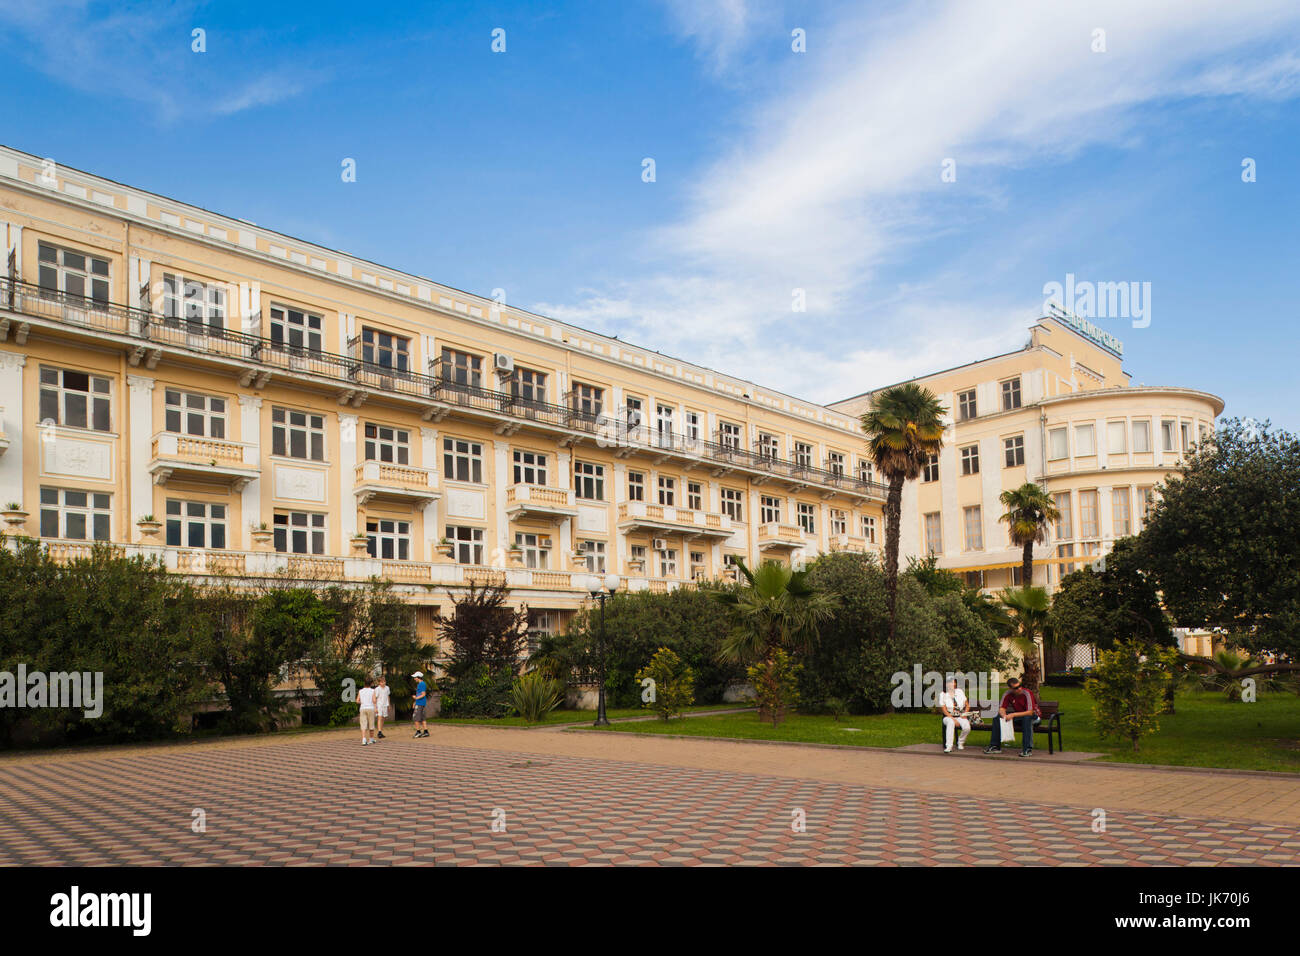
{"x": 366, "y": 698}
{"x": 381, "y": 703}
{"x": 956, "y": 713}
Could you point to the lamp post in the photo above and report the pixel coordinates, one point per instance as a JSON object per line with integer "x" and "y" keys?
{"x": 600, "y": 589}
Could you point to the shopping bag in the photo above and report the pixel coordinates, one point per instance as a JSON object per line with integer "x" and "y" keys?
{"x": 1008, "y": 731}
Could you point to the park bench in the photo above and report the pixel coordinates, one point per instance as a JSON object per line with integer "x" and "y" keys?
{"x": 1049, "y": 724}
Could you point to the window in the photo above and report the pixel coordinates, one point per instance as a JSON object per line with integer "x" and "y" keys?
{"x": 537, "y": 549}
{"x": 666, "y": 415}
{"x": 1085, "y": 441}
{"x": 387, "y": 444}
{"x": 769, "y": 509}
{"x": 462, "y": 369}
{"x": 594, "y": 551}
{"x": 299, "y": 532}
{"x": 1014, "y": 450}
{"x": 1116, "y": 438}
{"x": 79, "y": 515}
{"x": 667, "y": 491}
{"x": 588, "y": 481}
{"x": 385, "y": 349}
{"x": 769, "y": 446}
{"x": 73, "y": 273}
{"x": 189, "y": 413}
{"x": 807, "y": 516}
{"x": 1010, "y": 394}
{"x": 933, "y": 533}
{"x": 966, "y": 405}
{"x": 697, "y": 564}
{"x": 195, "y": 524}
{"x": 729, "y": 435}
{"x": 668, "y": 563}
{"x": 529, "y": 386}
{"x": 835, "y": 463}
{"x": 530, "y": 468}
{"x": 75, "y": 399}
{"x": 389, "y": 539}
{"x": 588, "y": 400}
{"x": 866, "y": 471}
{"x": 970, "y": 460}
{"x": 636, "y": 555}
{"x": 635, "y": 486}
{"x": 1142, "y": 436}
{"x": 839, "y": 522}
{"x": 974, "y": 521}
{"x": 1185, "y": 429}
{"x": 1064, "y": 527}
{"x": 1121, "y": 503}
{"x": 693, "y": 426}
{"x": 694, "y": 496}
{"x": 202, "y": 306}
{"x": 1088, "y": 527}
{"x": 1065, "y": 551}
{"x": 803, "y": 454}
{"x": 295, "y": 329}
{"x": 1058, "y": 444}
{"x": 632, "y": 413}
{"x": 1167, "y": 436}
{"x": 1146, "y": 501}
{"x": 297, "y": 434}
{"x": 467, "y": 543}
{"x": 931, "y": 470}
{"x": 733, "y": 503}
{"x": 869, "y": 528}
{"x": 462, "y": 460}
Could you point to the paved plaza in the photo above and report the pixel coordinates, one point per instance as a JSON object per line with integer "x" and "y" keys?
{"x": 475, "y": 795}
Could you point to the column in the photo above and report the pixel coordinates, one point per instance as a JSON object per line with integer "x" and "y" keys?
{"x": 11, "y": 424}
{"x": 140, "y": 395}
{"x": 347, "y": 471}
{"x": 563, "y": 475}
{"x": 250, "y": 433}
{"x": 500, "y": 475}
{"x": 429, "y": 459}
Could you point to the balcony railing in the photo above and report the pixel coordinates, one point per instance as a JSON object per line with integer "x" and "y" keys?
{"x": 147, "y": 331}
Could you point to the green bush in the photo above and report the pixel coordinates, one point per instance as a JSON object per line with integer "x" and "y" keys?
{"x": 535, "y": 695}
{"x": 1127, "y": 686}
{"x": 776, "y": 685}
{"x": 674, "y": 684}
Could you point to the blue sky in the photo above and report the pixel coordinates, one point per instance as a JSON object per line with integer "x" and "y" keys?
{"x": 775, "y": 170}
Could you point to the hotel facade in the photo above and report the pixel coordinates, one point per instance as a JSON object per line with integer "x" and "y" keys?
{"x": 238, "y": 402}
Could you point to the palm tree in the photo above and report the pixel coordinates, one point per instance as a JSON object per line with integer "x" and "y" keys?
{"x": 777, "y": 608}
{"x": 1028, "y": 609}
{"x": 1029, "y": 511}
{"x": 904, "y": 427}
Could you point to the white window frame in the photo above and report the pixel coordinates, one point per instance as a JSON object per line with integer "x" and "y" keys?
{"x": 289, "y": 527}
{"x": 209, "y": 518}
{"x": 529, "y": 467}
{"x": 287, "y": 424}
{"x": 194, "y": 413}
{"x": 462, "y": 460}
{"x": 386, "y": 443}
{"x": 388, "y": 539}
{"x": 97, "y": 398}
{"x": 92, "y": 516}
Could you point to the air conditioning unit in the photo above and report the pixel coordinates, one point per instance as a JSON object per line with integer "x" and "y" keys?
{"x": 504, "y": 364}
{"x": 659, "y": 544}
{"x": 543, "y": 541}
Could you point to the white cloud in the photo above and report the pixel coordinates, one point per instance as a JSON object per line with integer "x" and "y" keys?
{"x": 838, "y": 175}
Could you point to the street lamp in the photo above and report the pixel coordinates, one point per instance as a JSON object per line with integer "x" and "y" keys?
{"x": 600, "y": 589}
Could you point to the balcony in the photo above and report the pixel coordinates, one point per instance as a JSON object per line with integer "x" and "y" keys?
{"x": 540, "y": 501}
{"x": 775, "y": 536}
{"x": 848, "y": 542}
{"x": 202, "y": 459}
{"x": 254, "y": 360}
{"x": 389, "y": 482}
{"x": 640, "y": 516}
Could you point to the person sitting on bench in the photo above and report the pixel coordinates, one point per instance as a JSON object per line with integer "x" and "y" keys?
{"x": 1020, "y": 707}
{"x": 956, "y": 713}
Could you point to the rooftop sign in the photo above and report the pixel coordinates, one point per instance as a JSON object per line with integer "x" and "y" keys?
{"x": 1088, "y": 330}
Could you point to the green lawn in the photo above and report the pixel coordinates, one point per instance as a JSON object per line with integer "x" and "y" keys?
{"x": 571, "y": 716}
{"x": 1206, "y": 731}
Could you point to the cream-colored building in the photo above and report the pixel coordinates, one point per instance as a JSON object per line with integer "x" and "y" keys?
{"x": 1059, "y": 412}
{"x": 280, "y": 408}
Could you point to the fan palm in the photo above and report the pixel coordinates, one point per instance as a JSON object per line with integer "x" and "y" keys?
{"x": 1028, "y": 608}
{"x": 1029, "y": 511}
{"x": 776, "y": 607}
{"x": 904, "y": 427}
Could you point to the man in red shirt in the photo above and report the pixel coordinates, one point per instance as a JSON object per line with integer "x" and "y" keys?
{"x": 1020, "y": 706}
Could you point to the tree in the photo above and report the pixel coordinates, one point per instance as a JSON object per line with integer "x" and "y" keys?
{"x": 1128, "y": 687}
{"x": 1220, "y": 543}
{"x": 488, "y": 642}
{"x": 1028, "y": 608}
{"x": 1030, "y": 510}
{"x": 775, "y": 608}
{"x": 776, "y": 683}
{"x": 1107, "y": 607}
{"x": 674, "y": 684}
{"x": 904, "y": 427}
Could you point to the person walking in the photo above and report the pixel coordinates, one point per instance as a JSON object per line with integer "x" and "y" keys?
{"x": 366, "y": 698}
{"x": 381, "y": 704}
{"x": 421, "y": 698}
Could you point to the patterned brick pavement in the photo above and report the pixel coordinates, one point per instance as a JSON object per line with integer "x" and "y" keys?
{"x": 325, "y": 800}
